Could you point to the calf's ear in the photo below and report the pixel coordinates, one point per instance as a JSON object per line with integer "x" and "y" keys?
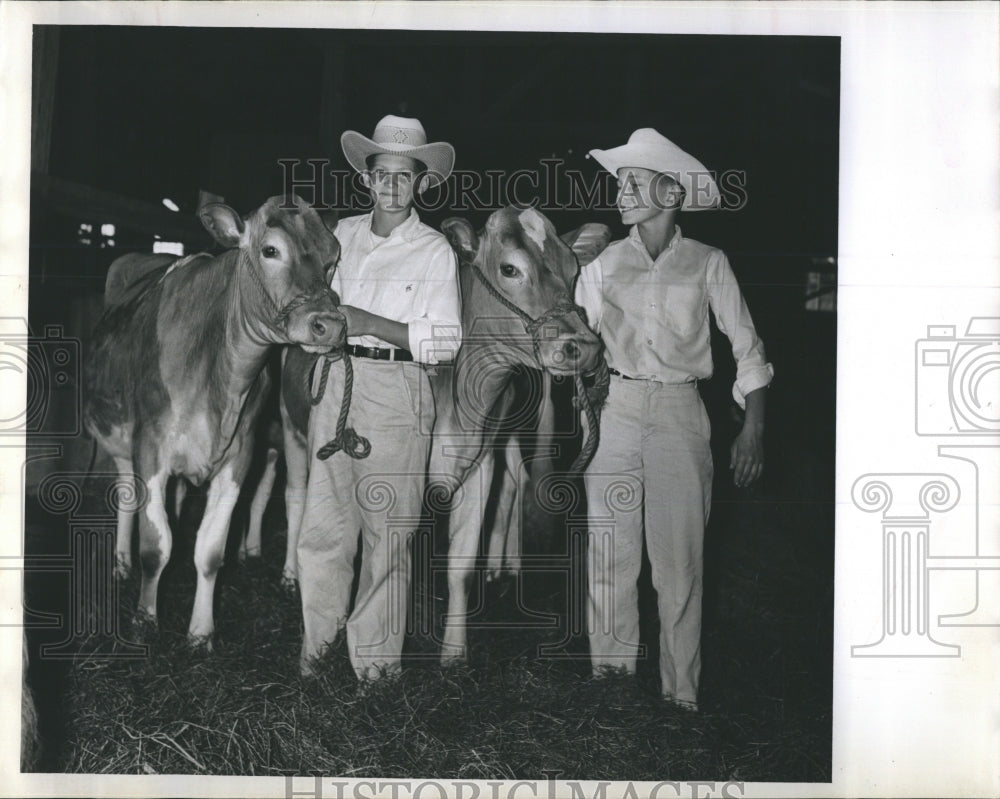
{"x": 223, "y": 223}
{"x": 588, "y": 241}
{"x": 462, "y": 237}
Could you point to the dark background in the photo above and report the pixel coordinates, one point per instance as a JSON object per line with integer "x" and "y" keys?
{"x": 127, "y": 116}
{"x": 123, "y": 117}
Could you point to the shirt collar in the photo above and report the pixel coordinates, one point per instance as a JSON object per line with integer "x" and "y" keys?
{"x": 407, "y": 229}
{"x": 636, "y": 239}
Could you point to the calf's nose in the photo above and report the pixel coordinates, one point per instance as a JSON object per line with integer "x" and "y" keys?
{"x": 326, "y": 329}
{"x": 579, "y": 352}
{"x": 566, "y": 354}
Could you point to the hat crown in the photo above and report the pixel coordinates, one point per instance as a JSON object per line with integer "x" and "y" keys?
{"x": 399, "y": 136}
{"x": 647, "y": 148}
{"x": 393, "y": 130}
{"x": 650, "y": 136}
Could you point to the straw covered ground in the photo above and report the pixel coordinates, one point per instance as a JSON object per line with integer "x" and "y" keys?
{"x": 516, "y": 710}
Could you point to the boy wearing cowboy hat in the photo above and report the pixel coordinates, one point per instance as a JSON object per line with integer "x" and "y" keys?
{"x": 398, "y": 282}
{"x": 649, "y": 297}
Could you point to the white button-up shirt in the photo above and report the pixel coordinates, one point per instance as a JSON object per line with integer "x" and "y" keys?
{"x": 409, "y": 276}
{"x": 653, "y": 315}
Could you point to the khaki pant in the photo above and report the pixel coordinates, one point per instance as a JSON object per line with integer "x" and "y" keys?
{"x": 652, "y": 474}
{"x": 379, "y": 497}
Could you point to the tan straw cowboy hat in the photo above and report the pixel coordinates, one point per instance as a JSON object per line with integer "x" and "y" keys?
{"x": 649, "y": 149}
{"x": 400, "y": 136}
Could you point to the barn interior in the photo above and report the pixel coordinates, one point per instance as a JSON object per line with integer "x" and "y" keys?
{"x": 133, "y": 128}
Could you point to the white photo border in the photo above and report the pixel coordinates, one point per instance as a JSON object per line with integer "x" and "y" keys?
{"x": 919, "y": 246}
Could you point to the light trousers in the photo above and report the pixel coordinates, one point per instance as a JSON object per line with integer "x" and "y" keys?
{"x": 379, "y": 497}
{"x": 651, "y": 477}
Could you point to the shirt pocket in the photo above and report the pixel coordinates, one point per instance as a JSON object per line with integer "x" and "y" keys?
{"x": 685, "y": 308}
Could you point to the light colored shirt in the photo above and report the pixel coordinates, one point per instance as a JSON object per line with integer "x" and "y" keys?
{"x": 409, "y": 276}
{"x": 653, "y": 315}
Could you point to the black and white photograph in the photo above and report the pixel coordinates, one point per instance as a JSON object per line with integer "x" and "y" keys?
{"x": 412, "y": 408}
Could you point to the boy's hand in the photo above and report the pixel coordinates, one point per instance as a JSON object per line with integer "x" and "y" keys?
{"x": 747, "y": 455}
{"x": 357, "y": 320}
{"x": 365, "y": 323}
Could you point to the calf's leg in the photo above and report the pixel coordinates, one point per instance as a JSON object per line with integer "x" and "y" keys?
{"x": 126, "y": 515}
{"x": 155, "y": 542}
{"x": 180, "y": 492}
{"x": 296, "y": 481}
{"x": 209, "y": 551}
{"x": 251, "y": 544}
{"x": 505, "y": 519}
{"x": 466, "y": 523}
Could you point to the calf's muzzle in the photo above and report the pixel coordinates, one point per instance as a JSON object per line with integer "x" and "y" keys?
{"x": 567, "y": 346}
{"x": 317, "y": 329}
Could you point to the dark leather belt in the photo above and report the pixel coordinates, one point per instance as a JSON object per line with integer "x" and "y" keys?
{"x": 616, "y": 372}
{"x": 626, "y": 377}
{"x": 379, "y": 353}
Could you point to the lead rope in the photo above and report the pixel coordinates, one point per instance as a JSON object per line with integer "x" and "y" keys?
{"x": 589, "y": 400}
{"x": 346, "y": 438}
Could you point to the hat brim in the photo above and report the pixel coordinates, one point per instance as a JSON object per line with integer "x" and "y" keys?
{"x": 438, "y": 157}
{"x": 701, "y": 193}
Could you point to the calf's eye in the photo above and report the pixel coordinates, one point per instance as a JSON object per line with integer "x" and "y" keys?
{"x": 508, "y": 270}
{"x": 270, "y": 252}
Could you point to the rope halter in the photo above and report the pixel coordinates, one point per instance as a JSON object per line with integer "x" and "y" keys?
{"x": 346, "y": 438}
{"x": 588, "y": 399}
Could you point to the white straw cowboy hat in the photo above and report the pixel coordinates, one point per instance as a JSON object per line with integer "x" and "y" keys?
{"x": 400, "y": 136}
{"x": 649, "y": 149}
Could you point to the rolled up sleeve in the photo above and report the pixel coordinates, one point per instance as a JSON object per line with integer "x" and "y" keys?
{"x": 436, "y": 334}
{"x": 733, "y": 318}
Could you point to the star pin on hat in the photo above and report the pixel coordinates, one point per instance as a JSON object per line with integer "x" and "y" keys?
{"x": 649, "y": 149}
{"x": 400, "y": 136}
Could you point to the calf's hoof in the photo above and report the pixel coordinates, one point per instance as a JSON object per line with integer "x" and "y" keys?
{"x": 452, "y": 655}
{"x": 142, "y": 627}
{"x": 200, "y": 643}
{"x": 123, "y": 567}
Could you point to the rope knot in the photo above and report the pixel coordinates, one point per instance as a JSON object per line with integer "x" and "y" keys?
{"x": 346, "y": 438}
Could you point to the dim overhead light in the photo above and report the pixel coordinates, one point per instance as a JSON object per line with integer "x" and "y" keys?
{"x": 170, "y": 204}
{"x": 169, "y": 247}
